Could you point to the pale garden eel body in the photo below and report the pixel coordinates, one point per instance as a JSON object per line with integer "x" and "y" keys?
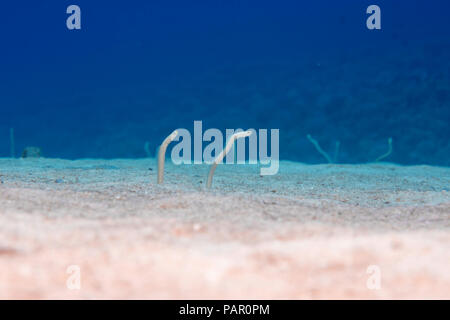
{"x": 162, "y": 155}
{"x": 319, "y": 149}
{"x": 388, "y": 153}
{"x": 224, "y": 152}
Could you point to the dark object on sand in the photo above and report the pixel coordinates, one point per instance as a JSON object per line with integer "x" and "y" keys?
{"x": 31, "y": 152}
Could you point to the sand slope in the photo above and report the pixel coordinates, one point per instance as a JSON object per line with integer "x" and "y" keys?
{"x": 308, "y": 232}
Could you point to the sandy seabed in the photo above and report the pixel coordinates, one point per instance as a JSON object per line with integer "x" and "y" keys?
{"x": 309, "y": 232}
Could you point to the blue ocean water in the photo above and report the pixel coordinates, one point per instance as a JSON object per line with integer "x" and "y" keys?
{"x": 136, "y": 70}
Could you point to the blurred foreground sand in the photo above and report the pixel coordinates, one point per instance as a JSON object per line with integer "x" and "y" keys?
{"x": 308, "y": 232}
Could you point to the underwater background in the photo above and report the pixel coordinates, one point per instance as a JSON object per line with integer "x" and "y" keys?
{"x": 139, "y": 69}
